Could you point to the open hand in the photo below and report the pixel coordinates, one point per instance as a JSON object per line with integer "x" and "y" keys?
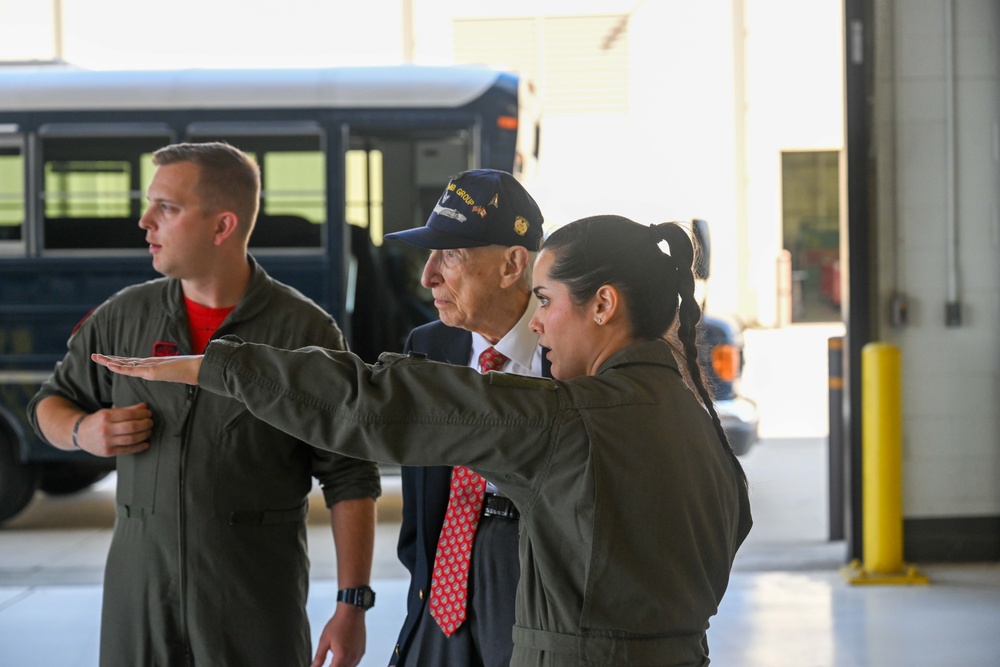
{"x": 182, "y": 369}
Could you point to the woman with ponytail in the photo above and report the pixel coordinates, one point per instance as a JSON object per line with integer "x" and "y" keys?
{"x": 632, "y": 503}
{"x": 653, "y": 269}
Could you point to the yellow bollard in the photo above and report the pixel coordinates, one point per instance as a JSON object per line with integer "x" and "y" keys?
{"x": 882, "y": 471}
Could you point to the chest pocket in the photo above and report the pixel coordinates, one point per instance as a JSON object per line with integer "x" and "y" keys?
{"x": 150, "y": 480}
{"x": 251, "y": 468}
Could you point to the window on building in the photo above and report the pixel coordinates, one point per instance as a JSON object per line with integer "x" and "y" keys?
{"x": 581, "y": 62}
{"x": 810, "y": 195}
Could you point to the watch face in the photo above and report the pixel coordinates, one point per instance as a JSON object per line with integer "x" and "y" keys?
{"x": 367, "y": 600}
{"x": 362, "y": 597}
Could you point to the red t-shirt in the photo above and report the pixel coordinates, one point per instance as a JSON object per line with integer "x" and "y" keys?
{"x": 204, "y": 322}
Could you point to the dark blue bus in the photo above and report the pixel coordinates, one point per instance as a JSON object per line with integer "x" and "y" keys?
{"x": 347, "y": 155}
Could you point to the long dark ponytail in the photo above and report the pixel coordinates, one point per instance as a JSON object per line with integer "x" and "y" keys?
{"x": 653, "y": 268}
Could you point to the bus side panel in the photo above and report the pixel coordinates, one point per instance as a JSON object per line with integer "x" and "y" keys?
{"x": 86, "y": 167}
{"x": 40, "y": 304}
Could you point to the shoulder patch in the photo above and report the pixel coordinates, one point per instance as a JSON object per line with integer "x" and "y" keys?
{"x": 165, "y": 349}
{"x": 82, "y": 320}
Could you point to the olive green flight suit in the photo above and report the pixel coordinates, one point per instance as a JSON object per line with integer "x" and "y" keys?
{"x": 208, "y": 562}
{"x": 631, "y": 509}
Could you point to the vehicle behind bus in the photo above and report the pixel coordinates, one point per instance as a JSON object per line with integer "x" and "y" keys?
{"x": 346, "y": 154}
{"x": 721, "y": 357}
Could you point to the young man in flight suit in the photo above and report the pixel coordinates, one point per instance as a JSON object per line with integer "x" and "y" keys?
{"x": 208, "y": 563}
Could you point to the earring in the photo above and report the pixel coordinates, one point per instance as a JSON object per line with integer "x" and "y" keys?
{"x": 599, "y": 320}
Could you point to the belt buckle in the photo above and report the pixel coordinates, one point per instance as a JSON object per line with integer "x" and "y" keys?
{"x": 500, "y": 506}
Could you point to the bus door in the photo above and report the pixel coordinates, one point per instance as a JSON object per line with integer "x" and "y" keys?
{"x": 392, "y": 181}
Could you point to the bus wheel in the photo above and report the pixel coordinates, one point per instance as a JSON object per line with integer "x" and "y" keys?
{"x": 18, "y": 481}
{"x": 63, "y": 477}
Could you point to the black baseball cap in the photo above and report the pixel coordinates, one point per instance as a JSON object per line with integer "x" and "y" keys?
{"x": 479, "y": 207}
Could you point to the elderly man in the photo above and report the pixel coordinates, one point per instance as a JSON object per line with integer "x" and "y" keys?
{"x": 482, "y": 235}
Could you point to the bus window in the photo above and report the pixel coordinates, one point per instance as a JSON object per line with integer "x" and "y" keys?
{"x": 363, "y": 184}
{"x": 93, "y": 189}
{"x": 393, "y": 179}
{"x": 87, "y": 189}
{"x": 294, "y": 197}
{"x": 437, "y": 160}
{"x": 11, "y": 191}
{"x": 293, "y": 205}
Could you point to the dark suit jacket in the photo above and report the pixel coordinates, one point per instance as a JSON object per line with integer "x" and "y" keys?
{"x": 425, "y": 490}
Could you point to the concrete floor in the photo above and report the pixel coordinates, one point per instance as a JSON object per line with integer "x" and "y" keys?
{"x": 787, "y": 603}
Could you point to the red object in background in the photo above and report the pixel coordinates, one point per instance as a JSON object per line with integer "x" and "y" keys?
{"x": 835, "y": 283}
{"x": 829, "y": 281}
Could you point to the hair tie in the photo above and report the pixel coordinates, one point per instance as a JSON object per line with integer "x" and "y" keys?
{"x": 659, "y": 240}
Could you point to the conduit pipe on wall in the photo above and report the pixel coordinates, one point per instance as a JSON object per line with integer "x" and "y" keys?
{"x": 886, "y": 163}
{"x": 953, "y": 307}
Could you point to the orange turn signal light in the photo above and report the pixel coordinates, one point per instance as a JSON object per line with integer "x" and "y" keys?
{"x": 726, "y": 362}
{"x": 507, "y": 122}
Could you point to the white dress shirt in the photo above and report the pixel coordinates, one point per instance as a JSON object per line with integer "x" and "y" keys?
{"x": 520, "y": 346}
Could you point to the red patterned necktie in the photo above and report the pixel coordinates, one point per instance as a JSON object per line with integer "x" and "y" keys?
{"x": 450, "y": 582}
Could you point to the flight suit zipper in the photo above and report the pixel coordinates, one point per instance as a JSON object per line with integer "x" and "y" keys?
{"x": 192, "y": 393}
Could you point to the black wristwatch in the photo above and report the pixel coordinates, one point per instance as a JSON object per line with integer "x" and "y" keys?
{"x": 363, "y": 597}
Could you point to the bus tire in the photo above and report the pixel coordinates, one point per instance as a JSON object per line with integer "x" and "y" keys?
{"x": 60, "y": 478}
{"x": 18, "y": 481}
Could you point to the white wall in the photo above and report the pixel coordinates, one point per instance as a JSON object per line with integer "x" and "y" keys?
{"x": 126, "y": 34}
{"x": 951, "y": 376}
{"x": 26, "y": 31}
{"x": 683, "y": 128}
{"x": 705, "y": 128}
{"x": 719, "y": 88}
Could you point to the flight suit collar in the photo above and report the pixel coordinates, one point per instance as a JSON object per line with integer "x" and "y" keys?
{"x": 656, "y": 352}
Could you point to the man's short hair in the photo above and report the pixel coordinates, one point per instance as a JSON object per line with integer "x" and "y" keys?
{"x": 228, "y": 179}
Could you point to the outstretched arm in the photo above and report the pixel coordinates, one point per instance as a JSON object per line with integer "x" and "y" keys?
{"x": 182, "y": 369}
{"x": 498, "y": 424}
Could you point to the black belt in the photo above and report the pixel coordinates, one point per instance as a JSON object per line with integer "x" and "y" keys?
{"x": 499, "y": 506}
